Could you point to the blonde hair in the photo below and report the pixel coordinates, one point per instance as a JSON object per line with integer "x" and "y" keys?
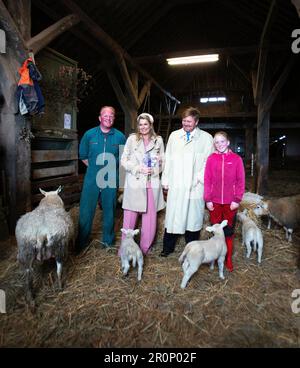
{"x": 224, "y": 134}
{"x": 108, "y": 107}
{"x": 150, "y": 120}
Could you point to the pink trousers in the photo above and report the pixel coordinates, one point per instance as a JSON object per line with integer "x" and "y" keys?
{"x": 148, "y": 230}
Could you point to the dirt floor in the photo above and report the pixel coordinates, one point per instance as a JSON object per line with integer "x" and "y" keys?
{"x": 100, "y": 308}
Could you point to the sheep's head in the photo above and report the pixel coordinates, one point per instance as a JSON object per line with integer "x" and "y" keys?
{"x": 130, "y": 233}
{"x": 261, "y": 209}
{"x": 242, "y": 215}
{"x": 217, "y": 227}
{"x": 52, "y": 197}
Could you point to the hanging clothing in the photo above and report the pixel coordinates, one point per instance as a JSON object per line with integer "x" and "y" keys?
{"x": 29, "y": 92}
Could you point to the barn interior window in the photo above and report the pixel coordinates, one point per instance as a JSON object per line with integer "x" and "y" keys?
{"x": 213, "y": 99}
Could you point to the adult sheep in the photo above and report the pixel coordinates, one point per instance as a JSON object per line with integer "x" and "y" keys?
{"x": 42, "y": 234}
{"x": 284, "y": 211}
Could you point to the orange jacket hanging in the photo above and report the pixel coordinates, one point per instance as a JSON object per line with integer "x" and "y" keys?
{"x": 24, "y": 72}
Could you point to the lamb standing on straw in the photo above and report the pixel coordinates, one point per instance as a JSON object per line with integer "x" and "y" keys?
{"x": 204, "y": 251}
{"x": 130, "y": 251}
{"x": 252, "y": 235}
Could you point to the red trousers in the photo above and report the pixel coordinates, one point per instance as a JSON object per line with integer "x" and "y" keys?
{"x": 223, "y": 212}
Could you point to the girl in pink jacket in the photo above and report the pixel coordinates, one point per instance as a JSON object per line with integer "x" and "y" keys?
{"x": 224, "y": 186}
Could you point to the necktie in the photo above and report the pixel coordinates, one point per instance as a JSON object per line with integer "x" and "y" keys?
{"x": 188, "y": 136}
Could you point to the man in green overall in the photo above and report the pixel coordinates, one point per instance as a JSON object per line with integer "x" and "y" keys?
{"x": 99, "y": 151}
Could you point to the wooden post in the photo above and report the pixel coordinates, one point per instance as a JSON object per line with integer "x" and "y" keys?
{"x": 249, "y": 144}
{"x": 262, "y": 166}
{"x": 15, "y": 129}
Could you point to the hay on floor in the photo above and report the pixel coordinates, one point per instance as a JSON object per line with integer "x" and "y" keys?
{"x": 98, "y": 307}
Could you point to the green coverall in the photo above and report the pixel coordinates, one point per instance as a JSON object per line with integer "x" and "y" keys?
{"x": 100, "y": 182}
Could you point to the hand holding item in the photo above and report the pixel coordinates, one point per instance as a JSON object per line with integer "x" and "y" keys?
{"x": 234, "y": 206}
{"x": 146, "y": 170}
{"x": 210, "y": 206}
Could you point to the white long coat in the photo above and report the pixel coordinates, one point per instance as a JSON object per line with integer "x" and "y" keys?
{"x": 135, "y": 193}
{"x": 184, "y": 175}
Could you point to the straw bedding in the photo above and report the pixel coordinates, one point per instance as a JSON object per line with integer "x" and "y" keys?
{"x": 98, "y": 307}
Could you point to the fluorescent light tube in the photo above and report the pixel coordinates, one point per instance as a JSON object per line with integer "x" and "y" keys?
{"x": 193, "y": 59}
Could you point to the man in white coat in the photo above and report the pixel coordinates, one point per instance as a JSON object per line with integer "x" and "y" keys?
{"x": 183, "y": 177}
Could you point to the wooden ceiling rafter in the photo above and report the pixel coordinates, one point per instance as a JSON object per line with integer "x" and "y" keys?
{"x": 111, "y": 44}
{"x": 43, "y": 38}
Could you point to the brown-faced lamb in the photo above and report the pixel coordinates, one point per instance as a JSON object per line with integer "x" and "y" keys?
{"x": 204, "y": 251}
{"x": 130, "y": 251}
{"x": 285, "y": 211}
{"x": 42, "y": 234}
{"x": 252, "y": 235}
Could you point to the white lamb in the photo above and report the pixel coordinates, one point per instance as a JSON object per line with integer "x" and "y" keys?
{"x": 204, "y": 251}
{"x": 252, "y": 235}
{"x": 130, "y": 251}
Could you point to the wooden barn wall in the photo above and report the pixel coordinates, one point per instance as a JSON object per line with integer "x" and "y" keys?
{"x": 54, "y": 153}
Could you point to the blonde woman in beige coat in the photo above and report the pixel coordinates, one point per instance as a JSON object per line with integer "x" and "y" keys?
{"x": 143, "y": 160}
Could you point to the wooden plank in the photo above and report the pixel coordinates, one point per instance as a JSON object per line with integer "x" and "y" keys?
{"x": 68, "y": 199}
{"x": 56, "y": 182}
{"x": 53, "y": 155}
{"x": 21, "y": 12}
{"x": 263, "y": 52}
{"x": 53, "y": 171}
{"x": 278, "y": 85}
{"x": 42, "y": 39}
{"x": 67, "y": 134}
{"x": 297, "y": 5}
{"x": 131, "y": 92}
{"x": 67, "y": 190}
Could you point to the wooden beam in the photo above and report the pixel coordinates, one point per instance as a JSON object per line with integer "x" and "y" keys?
{"x": 111, "y": 44}
{"x": 21, "y": 12}
{"x": 268, "y": 24}
{"x": 135, "y": 79}
{"x": 14, "y": 127}
{"x": 76, "y": 32}
{"x": 240, "y": 70}
{"x": 149, "y": 23}
{"x": 44, "y": 184}
{"x": 14, "y": 37}
{"x": 254, "y": 86}
{"x": 53, "y": 171}
{"x": 297, "y": 5}
{"x": 260, "y": 75}
{"x": 130, "y": 90}
{"x": 42, "y": 39}
{"x": 279, "y": 84}
{"x": 223, "y": 51}
{"x": 263, "y": 51}
{"x": 144, "y": 91}
{"x": 53, "y": 155}
{"x": 117, "y": 89}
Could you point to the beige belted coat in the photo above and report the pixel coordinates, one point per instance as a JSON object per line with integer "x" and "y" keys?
{"x": 135, "y": 193}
